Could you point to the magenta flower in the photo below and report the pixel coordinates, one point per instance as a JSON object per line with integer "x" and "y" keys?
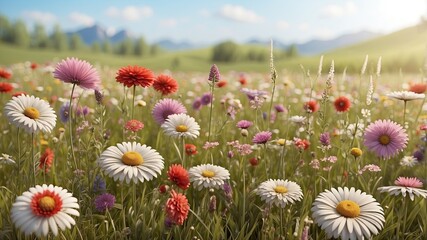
{"x": 386, "y": 138}
{"x": 406, "y": 186}
{"x": 325, "y": 139}
{"x": 166, "y": 107}
{"x": 262, "y": 137}
{"x": 244, "y": 124}
{"x": 79, "y": 72}
{"x": 214, "y": 75}
{"x": 104, "y": 202}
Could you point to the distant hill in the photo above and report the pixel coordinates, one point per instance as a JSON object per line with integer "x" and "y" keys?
{"x": 97, "y": 33}
{"x": 172, "y": 45}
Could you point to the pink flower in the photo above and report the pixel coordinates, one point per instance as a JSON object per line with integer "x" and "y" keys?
{"x": 210, "y": 145}
{"x": 408, "y": 182}
{"x": 134, "y": 125}
{"x": 79, "y": 72}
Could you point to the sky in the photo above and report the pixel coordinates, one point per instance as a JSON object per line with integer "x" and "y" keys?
{"x": 199, "y": 21}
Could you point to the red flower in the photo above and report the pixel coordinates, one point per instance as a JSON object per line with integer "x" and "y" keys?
{"x": 177, "y": 208}
{"x": 311, "y": 106}
{"x": 5, "y": 74}
{"x": 163, "y": 188}
{"x": 418, "y": 87}
{"x": 342, "y": 104}
{"x": 135, "y": 75}
{"x": 190, "y": 149}
{"x": 179, "y": 175}
{"x": 33, "y": 66}
{"x": 254, "y": 161}
{"x": 302, "y": 144}
{"x": 5, "y": 87}
{"x": 134, "y": 125}
{"x": 19, "y": 94}
{"x": 165, "y": 84}
{"x": 45, "y": 161}
{"x": 221, "y": 83}
{"x": 242, "y": 80}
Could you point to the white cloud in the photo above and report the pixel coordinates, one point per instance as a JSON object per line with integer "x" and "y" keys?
{"x": 239, "y": 14}
{"x": 111, "y": 31}
{"x": 129, "y": 13}
{"x": 333, "y": 10}
{"x": 81, "y": 19}
{"x": 205, "y": 13}
{"x": 303, "y": 27}
{"x": 168, "y": 22}
{"x": 45, "y": 18}
{"x": 282, "y": 25}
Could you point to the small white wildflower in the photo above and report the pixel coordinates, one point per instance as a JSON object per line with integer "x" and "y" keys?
{"x": 6, "y": 159}
{"x": 408, "y": 161}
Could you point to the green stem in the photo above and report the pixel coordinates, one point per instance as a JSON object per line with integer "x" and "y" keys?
{"x": 271, "y": 105}
{"x": 70, "y": 121}
{"x": 33, "y": 159}
{"x": 133, "y": 101}
{"x": 183, "y": 152}
{"x": 282, "y": 169}
{"x": 404, "y": 112}
{"x": 19, "y": 161}
{"x": 210, "y": 112}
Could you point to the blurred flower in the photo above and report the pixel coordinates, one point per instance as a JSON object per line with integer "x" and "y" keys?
{"x": 208, "y": 145}
{"x": 208, "y": 176}
{"x": 279, "y": 192}
{"x": 99, "y": 185}
{"x": 45, "y": 161}
{"x": 279, "y": 108}
{"x": 419, "y": 155}
{"x": 134, "y": 125}
{"x": 163, "y": 188}
{"x": 342, "y": 104}
{"x": 244, "y": 124}
{"x": 5, "y": 87}
{"x": 262, "y": 137}
{"x": 404, "y": 185}
{"x": 165, "y": 84}
{"x": 356, "y": 152}
{"x": 253, "y": 161}
{"x": 386, "y": 138}
{"x": 44, "y": 208}
{"x": 325, "y": 139}
{"x": 242, "y": 80}
{"x": 79, "y": 72}
{"x": 302, "y": 144}
{"x": 30, "y": 113}
{"x": 177, "y": 208}
{"x": 181, "y": 125}
{"x": 5, "y": 74}
{"x": 228, "y": 192}
{"x": 16, "y": 94}
{"x": 98, "y": 96}
{"x": 206, "y": 99}
{"x": 311, "y": 106}
{"x": 179, "y": 175}
{"x": 6, "y": 159}
{"x": 197, "y": 104}
{"x": 221, "y": 84}
{"x": 63, "y": 112}
{"x": 131, "y": 161}
{"x": 370, "y": 168}
{"x": 251, "y": 94}
{"x": 190, "y": 149}
{"x": 212, "y": 203}
{"x": 131, "y": 76}
{"x": 406, "y": 95}
{"x": 408, "y": 161}
{"x": 166, "y": 107}
{"x": 297, "y": 119}
{"x": 418, "y": 87}
{"x": 104, "y": 202}
{"x": 348, "y": 214}
{"x": 214, "y": 75}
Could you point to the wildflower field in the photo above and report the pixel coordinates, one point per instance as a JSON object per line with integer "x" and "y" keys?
{"x": 92, "y": 152}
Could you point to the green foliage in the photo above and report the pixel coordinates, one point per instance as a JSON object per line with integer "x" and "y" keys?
{"x": 76, "y": 43}
{"x": 5, "y": 29}
{"x": 58, "y": 39}
{"x": 20, "y": 36}
{"x": 39, "y": 37}
{"x": 141, "y": 47}
{"x": 227, "y": 51}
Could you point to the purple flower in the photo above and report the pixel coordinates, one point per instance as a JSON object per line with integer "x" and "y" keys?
{"x": 99, "y": 185}
{"x": 104, "y": 202}
{"x": 197, "y": 104}
{"x": 228, "y": 192}
{"x": 325, "y": 139}
{"x": 206, "y": 99}
{"x": 251, "y": 94}
{"x": 386, "y": 138}
{"x": 214, "y": 75}
{"x": 63, "y": 112}
{"x": 262, "y": 137}
{"x": 419, "y": 155}
{"x": 244, "y": 124}
{"x": 279, "y": 108}
{"x": 79, "y": 72}
{"x": 166, "y": 107}
{"x": 99, "y": 96}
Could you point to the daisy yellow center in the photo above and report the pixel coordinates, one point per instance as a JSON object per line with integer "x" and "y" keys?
{"x": 181, "y": 128}
{"x": 132, "y": 158}
{"x": 208, "y": 174}
{"x": 32, "y": 113}
{"x": 384, "y": 139}
{"x": 348, "y": 208}
{"x": 280, "y": 189}
{"x": 46, "y": 203}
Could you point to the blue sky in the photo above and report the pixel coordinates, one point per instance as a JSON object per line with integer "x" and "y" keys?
{"x": 212, "y": 21}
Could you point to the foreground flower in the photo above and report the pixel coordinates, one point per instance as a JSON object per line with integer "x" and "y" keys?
{"x": 181, "y": 125}
{"x": 166, "y": 107}
{"x": 131, "y": 161}
{"x": 279, "y": 192}
{"x": 104, "y": 202}
{"x": 177, "y": 208}
{"x": 135, "y": 76}
{"x": 386, "y": 138}
{"x": 214, "y": 75}
{"x": 44, "y": 208}
{"x": 45, "y": 161}
{"x": 179, "y": 175}
{"x": 405, "y": 185}
{"x": 342, "y": 104}
{"x": 165, "y": 84}
{"x": 79, "y": 72}
{"x": 348, "y": 214}
{"x": 30, "y": 113}
{"x": 406, "y": 95}
{"x": 208, "y": 176}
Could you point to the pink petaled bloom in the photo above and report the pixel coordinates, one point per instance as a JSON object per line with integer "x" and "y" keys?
{"x": 423, "y": 127}
{"x": 166, "y": 107}
{"x": 79, "y": 72}
{"x": 210, "y": 145}
{"x": 177, "y": 208}
{"x": 370, "y": 168}
{"x": 315, "y": 164}
{"x": 134, "y": 125}
{"x": 301, "y": 144}
{"x": 244, "y": 124}
{"x": 244, "y": 149}
{"x": 386, "y": 138}
{"x": 262, "y": 137}
{"x": 408, "y": 182}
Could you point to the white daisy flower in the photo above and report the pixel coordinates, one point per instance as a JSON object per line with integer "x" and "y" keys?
{"x": 131, "y": 161}
{"x": 408, "y": 161}
{"x": 406, "y": 95}
{"x": 405, "y": 185}
{"x": 181, "y": 125}
{"x": 348, "y": 214}
{"x": 44, "y": 208}
{"x": 30, "y": 113}
{"x": 6, "y": 159}
{"x": 279, "y": 192}
{"x": 297, "y": 119}
{"x": 208, "y": 176}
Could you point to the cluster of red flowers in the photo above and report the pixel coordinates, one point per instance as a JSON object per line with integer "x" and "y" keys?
{"x": 341, "y": 104}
